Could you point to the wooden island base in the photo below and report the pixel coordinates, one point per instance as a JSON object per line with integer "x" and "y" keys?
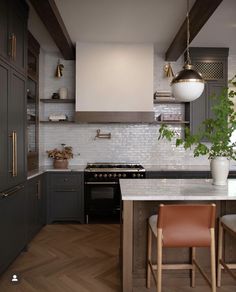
{"x": 134, "y": 238}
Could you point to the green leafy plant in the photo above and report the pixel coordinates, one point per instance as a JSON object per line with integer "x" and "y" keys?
{"x": 64, "y": 153}
{"x": 217, "y": 131}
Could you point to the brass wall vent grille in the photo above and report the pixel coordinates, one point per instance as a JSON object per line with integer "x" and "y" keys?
{"x": 210, "y": 70}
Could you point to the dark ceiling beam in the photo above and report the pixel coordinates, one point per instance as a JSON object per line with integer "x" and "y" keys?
{"x": 199, "y": 14}
{"x": 50, "y": 16}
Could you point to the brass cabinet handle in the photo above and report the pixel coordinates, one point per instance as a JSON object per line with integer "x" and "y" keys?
{"x": 14, "y": 51}
{"x": 14, "y": 153}
{"x": 11, "y": 191}
{"x": 12, "y": 46}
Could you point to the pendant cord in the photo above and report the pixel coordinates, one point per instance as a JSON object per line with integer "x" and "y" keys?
{"x": 188, "y": 35}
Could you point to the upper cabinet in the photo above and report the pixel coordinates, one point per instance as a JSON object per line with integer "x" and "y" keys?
{"x": 13, "y": 33}
{"x": 212, "y": 63}
{"x": 13, "y": 29}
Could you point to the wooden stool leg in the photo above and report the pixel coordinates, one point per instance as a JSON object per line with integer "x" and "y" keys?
{"x": 149, "y": 256}
{"x": 193, "y": 273}
{"x": 220, "y": 248}
{"x": 159, "y": 259}
{"x": 213, "y": 261}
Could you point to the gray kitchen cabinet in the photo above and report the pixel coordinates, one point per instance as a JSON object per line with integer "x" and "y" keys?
{"x": 13, "y": 224}
{"x": 4, "y": 92}
{"x": 177, "y": 174}
{"x": 212, "y": 63}
{"x": 13, "y": 21}
{"x": 36, "y": 206}
{"x": 16, "y": 129}
{"x": 65, "y": 196}
{"x": 13, "y": 32}
{"x": 4, "y": 29}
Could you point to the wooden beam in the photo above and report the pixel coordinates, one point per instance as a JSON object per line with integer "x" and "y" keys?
{"x": 198, "y": 16}
{"x": 50, "y": 16}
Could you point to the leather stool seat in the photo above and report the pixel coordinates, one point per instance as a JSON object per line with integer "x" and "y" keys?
{"x": 227, "y": 224}
{"x": 229, "y": 221}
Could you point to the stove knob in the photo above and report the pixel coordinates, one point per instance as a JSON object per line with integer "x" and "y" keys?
{"x": 105, "y": 175}
{"x": 119, "y": 175}
{"x": 141, "y": 175}
{"x": 138, "y": 175}
{"x": 124, "y": 175}
{"x": 134, "y": 174}
{"x": 95, "y": 175}
{"x": 109, "y": 175}
{"x": 114, "y": 175}
{"x": 100, "y": 175}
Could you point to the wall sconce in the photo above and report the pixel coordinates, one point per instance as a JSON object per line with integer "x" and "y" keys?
{"x": 59, "y": 69}
{"x": 168, "y": 71}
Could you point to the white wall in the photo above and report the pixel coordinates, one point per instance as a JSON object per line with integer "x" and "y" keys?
{"x": 114, "y": 77}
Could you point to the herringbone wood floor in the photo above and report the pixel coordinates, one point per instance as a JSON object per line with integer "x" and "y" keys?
{"x": 75, "y": 258}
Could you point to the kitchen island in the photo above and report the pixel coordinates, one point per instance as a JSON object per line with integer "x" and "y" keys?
{"x": 141, "y": 199}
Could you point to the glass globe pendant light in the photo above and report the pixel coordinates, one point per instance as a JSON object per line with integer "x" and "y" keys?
{"x": 188, "y": 84}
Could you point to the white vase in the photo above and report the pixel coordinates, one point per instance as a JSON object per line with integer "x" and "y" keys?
{"x": 63, "y": 92}
{"x": 220, "y": 170}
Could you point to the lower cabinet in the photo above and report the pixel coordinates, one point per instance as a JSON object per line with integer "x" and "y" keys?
{"x": 36, "y": 206}
{"x": 178, "y": 174}
{"x": 13, "y": 224}
{"x": 65, "y": 197}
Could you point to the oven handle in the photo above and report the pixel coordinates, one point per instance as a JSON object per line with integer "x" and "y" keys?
{"x": 102, "y": 183}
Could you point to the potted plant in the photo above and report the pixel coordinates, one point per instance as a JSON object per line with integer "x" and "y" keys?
{"x": 217, "y": 131}
{"x": 60, "y": 157}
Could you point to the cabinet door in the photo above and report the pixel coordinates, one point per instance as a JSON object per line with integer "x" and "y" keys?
{"x": 4, "y": 37}
{"x": 4, "y": 87}
{"x": 13, "y": 226}
{"x": 198, "y": 111}
{"x": 64, "y": 204}
{"x": 213, "y": 88}
{"x": 35, "y": 207}
{"x": 18, "y": 34}
{"x": 16, "y": 129}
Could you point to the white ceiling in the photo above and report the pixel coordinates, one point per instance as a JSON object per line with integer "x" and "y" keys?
{"x": 154, "y": 21}
{"x": 220, "y": 30}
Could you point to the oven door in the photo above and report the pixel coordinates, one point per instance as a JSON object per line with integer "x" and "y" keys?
{"x": 102, "y": 198}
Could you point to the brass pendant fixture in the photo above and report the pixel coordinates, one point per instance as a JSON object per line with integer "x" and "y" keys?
{"x": 188, "y": 84}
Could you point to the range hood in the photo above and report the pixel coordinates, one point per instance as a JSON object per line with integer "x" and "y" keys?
{"x": 114, "y": 82}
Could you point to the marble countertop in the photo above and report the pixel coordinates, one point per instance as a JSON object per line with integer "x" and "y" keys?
{"x": 182, "y": 167}
{"x": 176, "y": 189}
{"x": 43, "y": 169}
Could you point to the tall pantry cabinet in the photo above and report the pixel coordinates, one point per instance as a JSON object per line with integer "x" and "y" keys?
{"x": 13, "y": 196}
{"x": 13, "y": 45}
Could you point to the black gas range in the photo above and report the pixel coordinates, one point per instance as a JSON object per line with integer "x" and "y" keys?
{"x": 102, "y": 190}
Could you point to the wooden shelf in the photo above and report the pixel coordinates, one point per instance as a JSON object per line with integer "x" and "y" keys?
{"x": 171, "y": 122}
{"x": 57, "y": 122}
{"x": 50, "y": 100}
{"x": 163, "y": 101}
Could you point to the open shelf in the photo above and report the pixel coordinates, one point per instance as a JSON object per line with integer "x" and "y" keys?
{"x": 50, "y": 100}
{"x": 171, "y": 122}
{"x": 57, "y": 122}
{"x": 169, "y": 100}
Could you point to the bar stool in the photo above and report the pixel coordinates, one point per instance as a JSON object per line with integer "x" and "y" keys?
{"x": 227, "y": 223}
{"x": 181, "y": 226}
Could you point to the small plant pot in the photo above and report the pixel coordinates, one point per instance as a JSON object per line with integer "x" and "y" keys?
{"x": 220, "y": 170}
{"x": 60, "y": 163}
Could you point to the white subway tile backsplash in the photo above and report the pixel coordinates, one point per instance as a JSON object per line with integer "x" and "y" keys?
{"x": 129, "y": 142}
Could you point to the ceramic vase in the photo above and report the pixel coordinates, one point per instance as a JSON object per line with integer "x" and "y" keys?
{"x": 220, "y": 170}
{"x": 60, "y": 163}
{"x": 63, "y": 92}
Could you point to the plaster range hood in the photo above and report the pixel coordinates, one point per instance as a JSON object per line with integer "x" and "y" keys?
{"x": 114, "y": 82}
